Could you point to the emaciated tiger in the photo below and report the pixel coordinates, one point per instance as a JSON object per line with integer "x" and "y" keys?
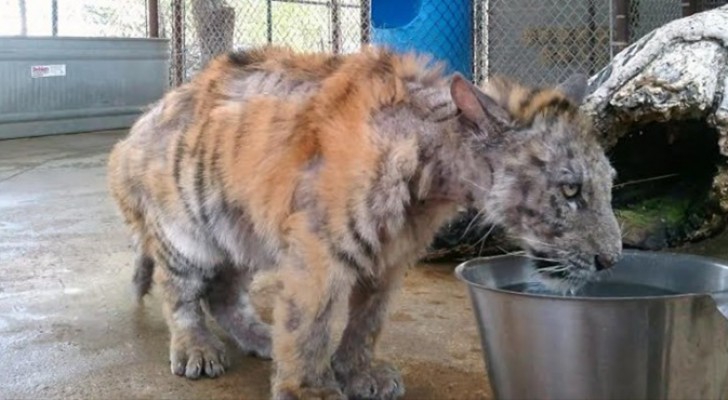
{"x": 335, "y": 172}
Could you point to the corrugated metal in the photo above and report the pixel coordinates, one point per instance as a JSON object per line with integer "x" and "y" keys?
{"x": 107, "y": 82}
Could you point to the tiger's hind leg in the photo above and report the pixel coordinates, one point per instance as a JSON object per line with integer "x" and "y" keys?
{"x": 194, "y": 349}
{"x": 231, "y": 307}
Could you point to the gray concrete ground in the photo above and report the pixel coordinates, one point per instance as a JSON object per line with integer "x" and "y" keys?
{"x": 69, "y": 327}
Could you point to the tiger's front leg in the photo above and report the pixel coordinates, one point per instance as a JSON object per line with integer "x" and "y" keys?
{"x": 312, "y": 282}
{"x": 360, "y": 376}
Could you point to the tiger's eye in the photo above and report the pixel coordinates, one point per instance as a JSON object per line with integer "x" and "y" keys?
{"x": 570, "y": 190}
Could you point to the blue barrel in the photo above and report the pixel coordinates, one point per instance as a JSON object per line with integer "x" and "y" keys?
{"x": 442, "y": 28}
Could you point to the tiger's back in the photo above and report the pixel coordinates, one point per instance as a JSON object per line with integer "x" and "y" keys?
{"x": 232, "y": 148}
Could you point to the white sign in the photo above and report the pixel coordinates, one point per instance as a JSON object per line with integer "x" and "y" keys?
{"x": 45, "y": 71}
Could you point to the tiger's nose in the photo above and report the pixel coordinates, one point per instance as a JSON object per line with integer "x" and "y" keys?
{"x": 604, "y": 261}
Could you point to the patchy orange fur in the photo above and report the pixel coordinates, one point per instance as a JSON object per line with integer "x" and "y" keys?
{"x": 254, "y": 153}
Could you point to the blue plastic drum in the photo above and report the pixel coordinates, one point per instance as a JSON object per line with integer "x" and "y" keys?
{"x": 442, "y": 28}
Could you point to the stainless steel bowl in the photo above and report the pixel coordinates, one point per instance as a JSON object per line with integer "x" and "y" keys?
{"x": 650, "y": 328}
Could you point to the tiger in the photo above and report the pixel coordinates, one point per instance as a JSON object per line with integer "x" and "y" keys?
{"x": 333, "y": 173}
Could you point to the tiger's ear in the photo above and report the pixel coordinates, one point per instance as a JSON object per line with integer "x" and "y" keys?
{"x": 574, "y": 88}
{"x": 477, "y": 107}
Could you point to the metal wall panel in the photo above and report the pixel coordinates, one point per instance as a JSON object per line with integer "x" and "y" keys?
{"x": 56, "y": 85}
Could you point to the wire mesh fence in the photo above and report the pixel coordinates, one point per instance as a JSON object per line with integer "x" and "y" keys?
{"x": 534, "y": 41}
{"x": 200, "y": 29}
{"x": 646, "y": 15}
{"x": 543, "y": 41}
{"x": 538, "y": 41}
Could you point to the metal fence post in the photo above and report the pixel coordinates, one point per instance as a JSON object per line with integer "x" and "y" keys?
{"x": 269, "y": 21}
{"x": 178, "y": 37}
{"x": 23, "y": 18}
{"x": 54, "y": 17}
{"x": 335, "y": 26}
{"x": 592, "y": 24}
{"x": 365, "y": 18}
{"x": 690, "y": 7}
{"x": 478, "y": 46}
{"x": 153, "y": 18}
{"x": 620, "y": 37}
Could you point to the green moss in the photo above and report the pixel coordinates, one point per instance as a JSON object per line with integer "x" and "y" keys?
{"x": 661, "y": 210}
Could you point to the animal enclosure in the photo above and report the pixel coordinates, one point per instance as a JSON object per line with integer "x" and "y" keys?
{"x": 537, "y": 42}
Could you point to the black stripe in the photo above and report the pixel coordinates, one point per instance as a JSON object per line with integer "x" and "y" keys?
{"x": 216, "y": 174}
{"x": 445, "y": 118}
{"x": 169, "y": 266}
{"x": 170, "y": 260}
{"x": 558, "y": 104}
{"x": 215, "y": 162}
{"x": 416, "y": 90}
{"x": 525, "y": 189}
{"x": 240, "y": 58}
{"x": 177, "y": 172}
{"x": 580, "y": 203}
{"x": 178, "y": 154}
{"x": 529, "y": 212}
{"x": 239, "y": 133}
{"x": 332, "y": 64}
{"x": 172, "y": 254}
{"x": 364, "y": 244}
{"x": 278, "y": 81}
{"x": 278, "y": 120}
{"x": 439, "y": 107}
{"x": 347, "y": 259}
{"x": 200, "y": 185}
{"x": 523, "y": 104}
{"x": 198, "y": 150}
{"x": 537, "y": 162}
{"x": 216, "y": 181}
{"x": 555, "y": 206}
{"x": 382, "y": 66}
{"x": 295, "y": 85}
{"x": 344, "y": 95}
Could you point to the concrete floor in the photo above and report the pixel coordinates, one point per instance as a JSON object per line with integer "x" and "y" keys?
{"x": 69, "y": 327}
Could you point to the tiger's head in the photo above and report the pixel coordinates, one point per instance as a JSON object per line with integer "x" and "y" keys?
{"x": 546, "y": 178}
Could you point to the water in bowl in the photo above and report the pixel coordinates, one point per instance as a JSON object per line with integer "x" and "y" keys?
{"x": 595, "y": 289}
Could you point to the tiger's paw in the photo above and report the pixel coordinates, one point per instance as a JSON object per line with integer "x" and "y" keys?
{"x": 192, "y": 356}
{"x": 380, "y": 381}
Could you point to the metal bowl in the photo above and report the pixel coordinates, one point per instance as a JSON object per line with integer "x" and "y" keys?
{"x": 649, "y": 328}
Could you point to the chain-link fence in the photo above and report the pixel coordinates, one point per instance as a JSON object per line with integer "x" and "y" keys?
{"x": 535, "y": 41}
{"x": 646, "y": 15}
{"x": 451, "y": 30}
{"x": 200, "y": 29}
{"x": 543, "y": 41}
